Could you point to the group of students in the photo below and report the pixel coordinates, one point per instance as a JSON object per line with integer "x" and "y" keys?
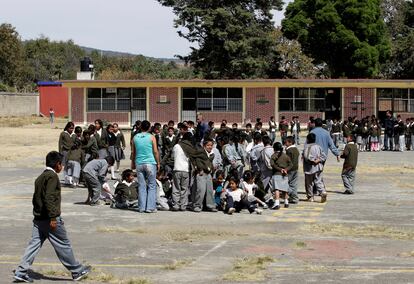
{"x": 202, "y": 167}
{"x": 370, "y": 134}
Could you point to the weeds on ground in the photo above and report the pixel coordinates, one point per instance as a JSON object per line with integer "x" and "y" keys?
{"x": 199, "y": 234}
{"x": 301, "y": 245}
{"x": 177, "y": 264}
{"x": 358, "y": 231}
{"x": 121, "y": 230}
{"x": 249, "y": 269}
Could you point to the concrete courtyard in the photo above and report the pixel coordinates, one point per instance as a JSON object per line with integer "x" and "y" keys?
{"x": 364, "y": 238}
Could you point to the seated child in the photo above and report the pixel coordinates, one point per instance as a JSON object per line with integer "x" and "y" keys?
{"x": 249, "y": 187}
{"x": 94, "y": 174}
{"x": 162, "y": 201}
{"x": 126, "y": 193}
{"x": 236, "y": 201}
{"x": 76, "y": 159}
{"x": 218, "y": 186}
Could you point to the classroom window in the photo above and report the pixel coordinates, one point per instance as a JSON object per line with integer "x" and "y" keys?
{"x": 397, "y": 100}
{"x": 116, "y": 99}
{"x": 212, "y": 99}
{"x": 302, "y": 99}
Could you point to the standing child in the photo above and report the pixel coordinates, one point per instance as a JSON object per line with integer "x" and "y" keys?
{"x": 48, "y": 224}
{"x": 126, "y": 194}
{"x": 94, "y": 174}
{"x": 76, "y": 159}
{"x": 350, "y": 155}
{"x": 293, "y": 154}
{"x": 281, "y": 165}
{"x": 119, "y": 146}
{"x": 66, "y": 142}
{"x": 313, "y": 159}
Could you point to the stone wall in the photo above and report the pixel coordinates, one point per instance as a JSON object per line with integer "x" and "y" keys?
{"x": 14, "y": 104}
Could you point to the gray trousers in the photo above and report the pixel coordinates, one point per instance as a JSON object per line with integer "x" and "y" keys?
{"x": 314, "y": 180}
{"x": 180, "y": 189}
{"x": 348, "y": 177}
{"x": 94, "y": 187}
{"x": 60, "y": 242}
{"x": 73, "y": 169}
{"x": 203, "y": 191}
{"x": 293, "y": 186}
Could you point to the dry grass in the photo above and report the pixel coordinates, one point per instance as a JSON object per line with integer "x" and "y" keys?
{"x": 96, "y": 276}
{"x": 407, "y": 254}
{"x": 177, "y": 264}
{"x": 300, "y": 244}
{"x": 121, "y": 230}
{"x": 368, "y": 231}
{"x": 251, "y": 269}
{"x": 191, "y": 235}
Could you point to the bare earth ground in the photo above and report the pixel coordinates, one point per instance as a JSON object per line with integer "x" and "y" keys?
{"x": 364, "y": 238}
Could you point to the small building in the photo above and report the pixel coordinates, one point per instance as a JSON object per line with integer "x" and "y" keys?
{"x": 53, "y": 95}
{"x": 237, "y": 101}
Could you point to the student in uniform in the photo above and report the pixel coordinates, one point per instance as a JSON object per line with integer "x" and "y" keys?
{"x": 94, "y": 174}
{"x": 66, "y": 142}
{"x": 266, "y": 168}
{"x": 293, "y": 153}
{"x": 281, "y": 165}
{"x": 236, "y": 199}
{"x": 313, "y": 161}
{"x": 272, "y": 128}
{"x": 350, "y": 155}
{"x": 89, "y": 146}
{"x": 76, "y": 159}
{"x": 126, "y": 194}
{"x": 111, "y": 139}
{"x": 101, "y": 137}
{"x": 48, "y": 224}
{"x": 119, "y": 146}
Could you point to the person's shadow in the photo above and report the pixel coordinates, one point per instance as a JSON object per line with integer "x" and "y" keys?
{"x": 38, "y": 276}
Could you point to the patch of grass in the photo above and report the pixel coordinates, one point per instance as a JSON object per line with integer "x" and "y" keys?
{"x": 177, "y": 264}
{"x": 99, "y": 276}
{"x": 250, "y": 269}
{"x": 121, "y": 230}
{"x": 301, "y": 244}
{"x": 198, "y": 234}
{"x": 369, "y": 231}
{"x": 56, "y": 273}
{"x": 137, "y": 281}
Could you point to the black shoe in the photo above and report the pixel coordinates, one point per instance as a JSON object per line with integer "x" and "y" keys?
{"x": 348, "y": 192}
{"x": 293, "y": 201}
{"x": 286, "y": 205}
{"x": 211, "y": 210}
{"x": 174, "y": 209}
{"x": 82, "y": 274}
{"x": 183, "y": 209}
{"x": 22, "y": 279}
{"x": 275, "y": 207}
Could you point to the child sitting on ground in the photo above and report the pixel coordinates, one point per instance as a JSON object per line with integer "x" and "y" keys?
{"x": 350, "y": 155}
{"x": 236, "y": 199}
{"x": 126, "y": 193}
{"x": 249, "y": 187}
{"x": 162, "y": 201}
{"x": 218, "y": 186}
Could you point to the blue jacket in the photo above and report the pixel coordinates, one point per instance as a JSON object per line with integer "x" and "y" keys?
{"x": 324, "y": 139}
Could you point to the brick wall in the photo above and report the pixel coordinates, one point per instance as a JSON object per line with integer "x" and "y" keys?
{"x": 217, "y": 117}
{"x": 260, "y": 103}
{"x": 360, "y": 110}
{"x": 163, "y": 112}
{"x": 122, "y": 118}
{"x": 77, "y": 105}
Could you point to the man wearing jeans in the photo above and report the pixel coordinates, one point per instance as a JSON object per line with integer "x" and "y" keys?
{"x": 145, "y": 159}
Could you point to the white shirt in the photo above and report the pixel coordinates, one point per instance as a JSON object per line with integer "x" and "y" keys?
{"x": 99, "y": 132}
{"x": 237, "y": 194}
{"x": 180, "y": 159}
{"x": 249, "y": 187}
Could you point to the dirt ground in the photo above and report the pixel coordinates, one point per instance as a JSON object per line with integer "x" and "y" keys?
{"x": 364, "y": 238}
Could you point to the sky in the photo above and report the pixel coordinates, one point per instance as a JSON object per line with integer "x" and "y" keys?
{"x": 135, "y": 26}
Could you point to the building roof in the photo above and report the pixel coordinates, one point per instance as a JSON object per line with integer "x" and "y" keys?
{"x": 48, "y": 83}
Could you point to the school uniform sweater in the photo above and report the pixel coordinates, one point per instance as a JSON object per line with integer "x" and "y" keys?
{"x": 76, "y": 155}
{"x": 47, "y": 196}
{"x": 293, "y": 154}
{"x": 280, "y": 163}
{"x": 65, "y": 141}
{"x": 126, "y": 192}
{"x": 102, "y": 139}
{"x": 350, "y": 155}
{"x": 120, "y": 139}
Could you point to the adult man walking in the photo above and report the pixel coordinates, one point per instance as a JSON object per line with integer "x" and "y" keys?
{"x": 146, "y": 160}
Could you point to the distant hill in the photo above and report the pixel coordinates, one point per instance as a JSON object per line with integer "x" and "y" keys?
{"x": 111, "y": 53}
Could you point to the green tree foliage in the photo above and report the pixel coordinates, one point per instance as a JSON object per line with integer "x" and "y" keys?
{"x": 399, "y": 17}
{"x": 232, "y": 39}
{"x": 348, "y": 35}
{"x": 10, "y": 56}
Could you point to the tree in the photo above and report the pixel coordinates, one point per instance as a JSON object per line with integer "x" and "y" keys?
{"x": 348, "y": 35}
{"x": 233, "y": 38}
{"x": 10, "y": 55}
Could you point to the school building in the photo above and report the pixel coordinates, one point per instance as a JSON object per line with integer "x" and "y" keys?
{"x": 235, "y": 100}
